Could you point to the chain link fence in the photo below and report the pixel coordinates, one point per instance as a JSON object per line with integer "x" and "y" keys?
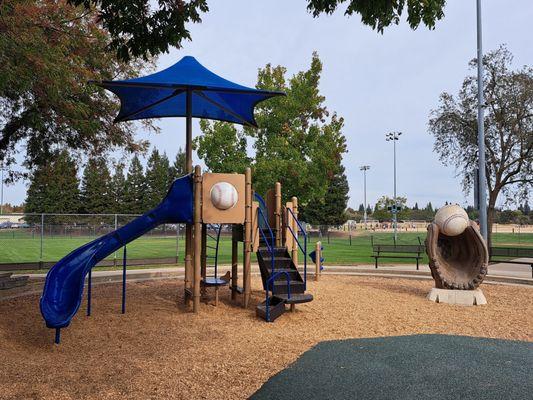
{"x": 37, "y": 241}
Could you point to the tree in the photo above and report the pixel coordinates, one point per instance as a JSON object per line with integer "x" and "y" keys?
{"x": 54, "y": 188}
{"x": 49, "y": 51}
{"x": 140, "y": 28}
{"x": 508, "y": 129}
{"x": 380, "y": 14}
{"x": 415, "y": 207}
{"x": 135, "y": 189}
{"x": 9, "y": 208}
{"x": 361, "y": 208}
{"x": 298, "y": 143}
{"x": 527, "y": 208}
{"x": 332, "y": 209}
{"x": 222, "y": 147}
{"x": 472, "y": 212}
{"x": 381, "y": 209}
{"x": 96, "y": 196}
{"x": 157, "y": 178}
{"x": 352, "y": 214}
{"x": 118, "y": 190}
{"x": 179, "y": 168}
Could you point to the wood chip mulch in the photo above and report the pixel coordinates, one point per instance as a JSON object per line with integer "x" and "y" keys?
{"x": 159, "y": 350}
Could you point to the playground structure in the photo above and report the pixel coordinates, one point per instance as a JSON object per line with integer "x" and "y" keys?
{"x": 264, "y": 227}
{"x": 188, "y": 89}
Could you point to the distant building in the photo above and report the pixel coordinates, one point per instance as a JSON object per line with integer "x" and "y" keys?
{"x": 12, "y": 218}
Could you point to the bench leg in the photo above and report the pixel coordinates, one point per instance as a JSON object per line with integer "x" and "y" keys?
{"x": 531, "y": 271}
{"x": 417, "y": 264}
{"x": 376, "y": 263}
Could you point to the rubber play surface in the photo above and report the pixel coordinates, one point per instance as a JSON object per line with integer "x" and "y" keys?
{"x": 407, "y": 367}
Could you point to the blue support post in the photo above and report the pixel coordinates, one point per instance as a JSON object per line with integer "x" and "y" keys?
{"x": 58, "y": 336}
{"x": 89, "y": 285}
{"x": 124, "y": 282}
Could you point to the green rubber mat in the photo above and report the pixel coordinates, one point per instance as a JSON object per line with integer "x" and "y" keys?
{"x": 408, "y": 367}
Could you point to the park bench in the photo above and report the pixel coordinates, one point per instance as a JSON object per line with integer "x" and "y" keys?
{"x": 509, "y": 255}
{"x": 414, "y": 251}
{"x": 9, "y": 282}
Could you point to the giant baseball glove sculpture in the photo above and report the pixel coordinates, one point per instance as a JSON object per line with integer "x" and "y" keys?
{"x": 457, "y": 262}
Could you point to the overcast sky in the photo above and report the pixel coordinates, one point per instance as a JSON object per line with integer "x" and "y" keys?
{"x": 378, "y": 83}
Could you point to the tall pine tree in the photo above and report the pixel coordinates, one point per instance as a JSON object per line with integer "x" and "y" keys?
{"x": 157, "y": 179}
{"x": 117, "y": 189}
{"x": 331, "y": 210}
{"x": 96, "y": 196}
{"x": 54, "y": 188}
{"x": 135, "y": 188}
{"x": 179, "y": 167}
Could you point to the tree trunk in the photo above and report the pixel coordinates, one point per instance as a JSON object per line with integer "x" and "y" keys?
{"x": 490, "y": 215}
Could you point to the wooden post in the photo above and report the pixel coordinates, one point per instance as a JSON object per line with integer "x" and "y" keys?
{"x": 318, "y": 263}
{"x": 197, "y": 237}
{"x": 204, "y": 257}
{"x": 277, "y": 213}
{"x": 294, "y": 226}
{"x": 188, "y": 261}
{"x": 247, "y": 238}
{"x": 234, "y": 266}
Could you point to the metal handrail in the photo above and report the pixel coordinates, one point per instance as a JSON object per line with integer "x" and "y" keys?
{"x": 269, "y": 247}
{"x": 260, "y": 199}
{"x": 270, "y": 282}
{"x": 304, "y": 249}
{"x": 262, "y": 206}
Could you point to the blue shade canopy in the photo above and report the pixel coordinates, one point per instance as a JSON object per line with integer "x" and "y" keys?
{"x": 164, "y": 94}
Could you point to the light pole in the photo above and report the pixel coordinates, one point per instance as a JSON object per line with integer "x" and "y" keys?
{"x": 482, "y": 181}
{"x": 364, "y": 168}
{"x": 394, "y": 136}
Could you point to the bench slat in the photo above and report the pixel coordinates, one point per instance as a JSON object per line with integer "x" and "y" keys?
{"x": 511, "y": 252}
{"x": 388, "y": 248}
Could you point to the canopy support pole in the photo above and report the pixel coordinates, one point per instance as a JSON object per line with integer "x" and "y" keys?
{"x": 189, "y": 228}
{"x": 197, "y": 238}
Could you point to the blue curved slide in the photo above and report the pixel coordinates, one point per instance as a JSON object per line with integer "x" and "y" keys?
{"x": 63, "y": 289}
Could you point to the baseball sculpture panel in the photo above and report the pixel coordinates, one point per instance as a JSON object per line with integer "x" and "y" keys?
{"x": 223, "y": 198}
{"x": 224, "y": 195}
{"x": 458, "y": 255}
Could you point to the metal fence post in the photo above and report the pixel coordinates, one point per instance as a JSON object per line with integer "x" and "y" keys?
{"x": 42, "y": 234}
{"x": 115, "y": 254}
{"x": 177, "y": 242}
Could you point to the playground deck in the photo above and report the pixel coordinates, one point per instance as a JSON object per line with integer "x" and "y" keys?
{"x": 160, "y": 351}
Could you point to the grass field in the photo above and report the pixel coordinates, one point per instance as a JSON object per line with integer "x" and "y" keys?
{"x": 338, "y": 251}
